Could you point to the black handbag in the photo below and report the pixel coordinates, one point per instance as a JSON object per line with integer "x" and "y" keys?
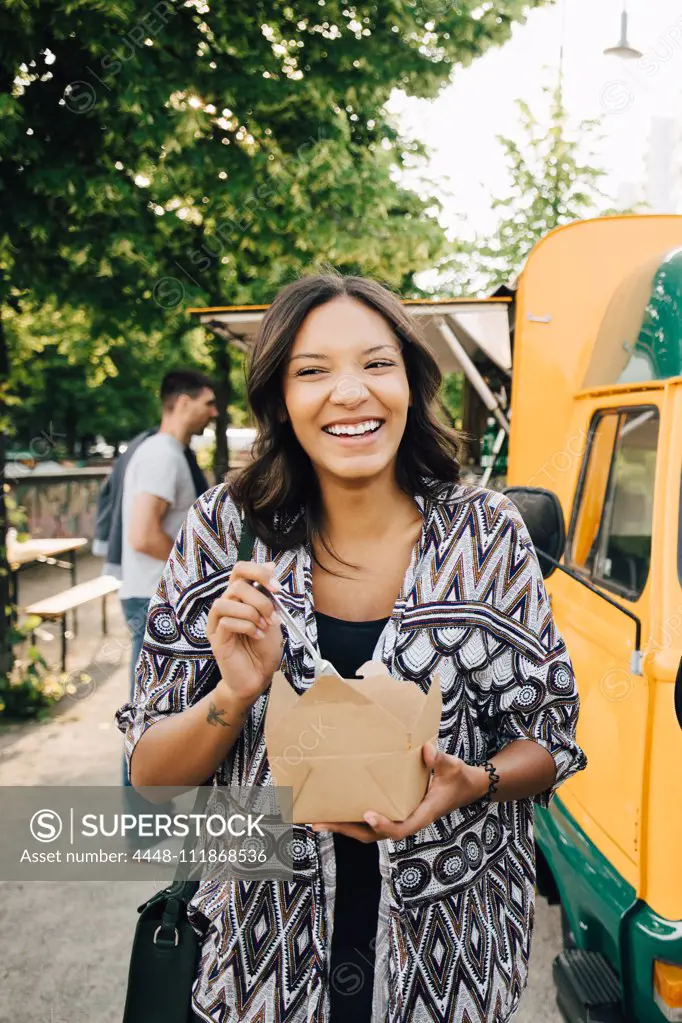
{"x": 166, "y": 948}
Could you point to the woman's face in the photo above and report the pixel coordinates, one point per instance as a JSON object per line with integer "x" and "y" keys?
{"x": 346, "y": 390}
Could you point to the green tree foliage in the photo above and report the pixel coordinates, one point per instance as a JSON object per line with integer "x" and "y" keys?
{"x": 452, "y": 394}
{"x": 264, "y": 119}
{"x": 197, "y": 152}
{"x": 74, "y": 384}
{"x": 553, "y": 179}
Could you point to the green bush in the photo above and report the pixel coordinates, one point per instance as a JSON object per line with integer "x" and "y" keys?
{"x": 31, "y": 688}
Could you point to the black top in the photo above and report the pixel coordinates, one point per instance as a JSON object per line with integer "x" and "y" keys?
{"x": 358, "y": 882}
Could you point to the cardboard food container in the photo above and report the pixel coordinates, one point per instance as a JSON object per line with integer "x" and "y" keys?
{"x": 353, "y": 745}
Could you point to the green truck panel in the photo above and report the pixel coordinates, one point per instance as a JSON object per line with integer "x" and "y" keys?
{"x": 604, "y": 913}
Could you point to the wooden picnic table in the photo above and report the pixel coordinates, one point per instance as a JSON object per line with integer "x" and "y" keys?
{"x": 55, "y": 608}
{"x": 47, "y": 552}
{"x": 24, "y": 553}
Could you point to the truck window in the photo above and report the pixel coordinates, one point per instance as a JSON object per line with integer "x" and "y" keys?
{"x": 610, "y": 537}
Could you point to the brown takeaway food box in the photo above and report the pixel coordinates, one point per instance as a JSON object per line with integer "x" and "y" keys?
{"x": 349, "y": 746}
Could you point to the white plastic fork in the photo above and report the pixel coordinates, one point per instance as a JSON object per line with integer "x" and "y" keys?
{"x": 321, "y": 666}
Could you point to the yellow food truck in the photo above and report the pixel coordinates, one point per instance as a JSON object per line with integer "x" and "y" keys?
{"x": 595, "y": 465}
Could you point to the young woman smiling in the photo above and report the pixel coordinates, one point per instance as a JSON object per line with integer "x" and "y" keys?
{"x": 377, "y": 550}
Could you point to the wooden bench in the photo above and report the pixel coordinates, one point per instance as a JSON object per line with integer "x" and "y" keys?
{"x": 56, "y": 608}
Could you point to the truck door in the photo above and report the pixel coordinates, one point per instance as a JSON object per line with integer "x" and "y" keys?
{"x": 610, "y": 543}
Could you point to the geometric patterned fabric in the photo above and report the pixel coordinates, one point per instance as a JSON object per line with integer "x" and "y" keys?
{"x": 457, "y": 903}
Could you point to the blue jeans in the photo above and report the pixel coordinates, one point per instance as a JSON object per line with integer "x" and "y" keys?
{"x": 135, "y": 612}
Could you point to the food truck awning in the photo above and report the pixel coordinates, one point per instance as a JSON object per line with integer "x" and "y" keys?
{"x": 480, "y": 325}
{"x": 464, "y": 334}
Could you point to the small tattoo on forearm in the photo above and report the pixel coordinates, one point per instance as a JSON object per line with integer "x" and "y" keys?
{"x": 215, "y": 716}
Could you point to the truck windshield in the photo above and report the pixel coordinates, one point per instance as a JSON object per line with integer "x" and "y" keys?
{"x": 610, "y": 538}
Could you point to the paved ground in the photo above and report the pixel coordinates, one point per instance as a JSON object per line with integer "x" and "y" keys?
{"x": 64, "y": 948}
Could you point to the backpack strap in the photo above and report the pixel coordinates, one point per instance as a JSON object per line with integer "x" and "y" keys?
{"x": 246, "y": 542}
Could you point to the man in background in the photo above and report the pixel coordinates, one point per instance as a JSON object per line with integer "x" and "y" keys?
{"x": 159, "y": 488}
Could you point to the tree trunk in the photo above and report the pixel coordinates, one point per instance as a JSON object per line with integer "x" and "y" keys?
{"x": 71, "y": 427}
{"x": 219, "y": 348}
{"x": 220, "y": 353}
{"x": 5, "y": 609}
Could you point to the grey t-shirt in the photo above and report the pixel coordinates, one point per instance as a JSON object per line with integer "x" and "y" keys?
{"x": 158, "y": 467}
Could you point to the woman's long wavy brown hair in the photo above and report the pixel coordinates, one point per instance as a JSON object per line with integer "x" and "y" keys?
{"x": 281, "y": 480}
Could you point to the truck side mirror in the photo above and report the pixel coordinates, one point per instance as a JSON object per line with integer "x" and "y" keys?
{"x": 541, "y": 511}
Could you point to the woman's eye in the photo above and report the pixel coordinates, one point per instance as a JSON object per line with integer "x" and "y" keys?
{"x": 377, "y": 362}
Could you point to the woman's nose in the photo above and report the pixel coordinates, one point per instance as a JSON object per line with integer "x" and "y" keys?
{"x": 348, "y": 390}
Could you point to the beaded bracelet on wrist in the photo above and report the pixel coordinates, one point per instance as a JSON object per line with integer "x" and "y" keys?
{"x": 494, "y": 780}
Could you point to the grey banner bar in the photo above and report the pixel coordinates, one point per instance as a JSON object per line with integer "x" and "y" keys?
{"x": 100, "y": 833}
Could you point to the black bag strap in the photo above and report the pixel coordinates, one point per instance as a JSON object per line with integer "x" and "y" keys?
{"x": 244, "y": 553}
{"x": 246, "y": 542}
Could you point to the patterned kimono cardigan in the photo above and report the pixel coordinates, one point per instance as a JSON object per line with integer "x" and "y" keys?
{"x": 457, "y": 899}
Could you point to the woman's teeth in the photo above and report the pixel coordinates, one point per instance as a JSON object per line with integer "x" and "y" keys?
{"x": 357, "y": 429}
